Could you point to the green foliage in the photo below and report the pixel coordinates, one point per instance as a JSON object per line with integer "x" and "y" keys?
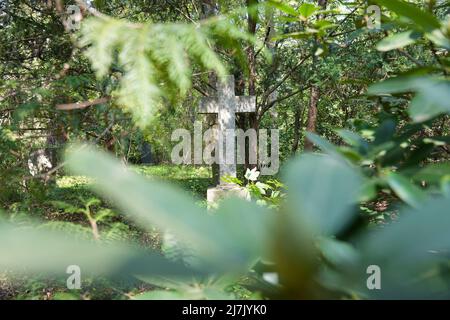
{"x": 406, "y": 191}
{"x": 217, "y": 240}
{"x": 384, "y": 177}
{"x": 326, "y": 208}
{"x": 206, "y": 234}
{"x": 390, "y": 158}
{"x": 195, "y": 179}
{"x": 156, "y": 59}
{"x": 422, "y": 19}
{"x": 9, "y": 169}
{"x": 431, "y": 100}
{"x": 269, "y": 193}
{"x": 399, "y": 40}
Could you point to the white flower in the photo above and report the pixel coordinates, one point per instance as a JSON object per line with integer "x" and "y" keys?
{"x": 252, "y": 175}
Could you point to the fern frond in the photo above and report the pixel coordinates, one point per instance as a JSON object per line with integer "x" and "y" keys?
{"x": 69, "y": 228}
{"x": 157, "y": 59}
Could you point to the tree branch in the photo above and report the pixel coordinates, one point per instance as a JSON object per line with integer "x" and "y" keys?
{"x": 82, "y": 105}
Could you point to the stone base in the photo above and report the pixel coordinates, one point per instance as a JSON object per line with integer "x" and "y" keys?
{"x": 226, "y": 190}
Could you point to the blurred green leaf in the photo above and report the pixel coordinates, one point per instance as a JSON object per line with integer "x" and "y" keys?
{"x": 405, "y": 189}
{"x": 398, "y": 40}
{"x": 340, "y": 254}
{"x": 410, "y": 253}
{"x": 52, "y": 252}
{"x": 368, "y": 191}
{"x": 385, "y": 132}
{"x": 295, "y": 35}
{"x": 283, "y": 7}
{"x": 423, "y": 19}
{"x": 154, "y": 204}
{"x": 432, "y": 99}
{"x": 396, "y": 85}
{"x": 307, "y": 9}
{"x": 323, "y": 191}
{"x": 354, "y": 140}
{"x": 323, "y": 144}
{"x": 432, "y": 173}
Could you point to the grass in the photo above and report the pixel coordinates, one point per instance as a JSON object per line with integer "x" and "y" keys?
{"x": 193, "y": 179}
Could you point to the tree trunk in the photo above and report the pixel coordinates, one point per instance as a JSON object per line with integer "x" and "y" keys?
{"x": 312, "y": 115}
{"x": 314, "y": 95}
{"x": 251, "y": 21}
{"x": 251, "y": 118}
{"x": 298, "y": 117}
{"x": 209, "y": 9}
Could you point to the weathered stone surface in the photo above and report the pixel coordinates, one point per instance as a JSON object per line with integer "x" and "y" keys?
{"x": 39, "y": 162}
{"x": 226, "y": 190}
{"x": 226, "y": 105}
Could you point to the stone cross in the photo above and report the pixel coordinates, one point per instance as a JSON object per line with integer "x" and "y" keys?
{"x": 226, "y": 105}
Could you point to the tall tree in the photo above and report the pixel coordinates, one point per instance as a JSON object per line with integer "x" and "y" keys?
{"x": 314, "y": 94}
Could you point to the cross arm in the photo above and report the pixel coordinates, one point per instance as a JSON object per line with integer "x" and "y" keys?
{"x": 208, "y": 105}
{"x": 246, "y": 104}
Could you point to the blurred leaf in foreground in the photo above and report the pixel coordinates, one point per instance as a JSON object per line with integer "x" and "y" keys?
{"x": 27, "y": 250}
{"x": 216, "y": 239}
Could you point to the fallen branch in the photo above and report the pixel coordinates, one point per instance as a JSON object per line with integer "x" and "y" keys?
{"x": 82, "y": 105}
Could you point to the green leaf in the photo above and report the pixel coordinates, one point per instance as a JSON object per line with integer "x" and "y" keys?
{"x": 439, "y": 38}
{"x": 51, "y": 252}
{"x": 154, "y": 204}
{"x": 307, "y": 9}
{"x": 67, "y": 207}
{"x": 323, "y": 144}
{"x": 295, "y": 35}
{"x": 396, "y": 85}
{"x": 324, "y": 24}
{"x": 102, "y": 214}
{"x": 339, "y": 254}
{"x": 262, "y": 187}
{"x": 322, "y": 191}
{"x": 385, "y": 133}
{"x": 368, "y": 190}
{"x": 405, "y": 189}
{"x": 353, "y": 139}
{"x": 433, "y": 172}
{"x": 92, "y": 202}
{"x": 424, "y": 19}
{"x": 280, "y": 5}
{"x": 422, "y": 151}
{"x": 398, "y": 40}
{"x": 432, "y": 99}
{"x": 412, "y": 253}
